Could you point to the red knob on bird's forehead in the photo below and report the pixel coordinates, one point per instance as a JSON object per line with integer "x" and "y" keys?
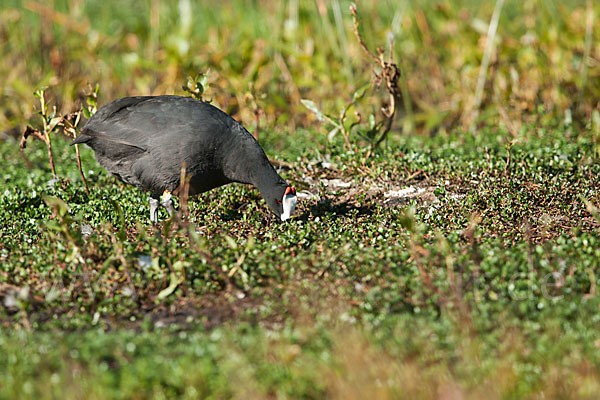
{"x": 288, "y": 190}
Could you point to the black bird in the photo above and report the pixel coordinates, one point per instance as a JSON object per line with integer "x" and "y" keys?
{"x": 144, "y": 141}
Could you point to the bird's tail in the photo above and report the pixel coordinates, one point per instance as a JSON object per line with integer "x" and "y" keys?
{"x": 81, "y": 139}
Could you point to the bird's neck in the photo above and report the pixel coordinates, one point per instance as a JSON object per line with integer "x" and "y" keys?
{"x": 246, "y": 162}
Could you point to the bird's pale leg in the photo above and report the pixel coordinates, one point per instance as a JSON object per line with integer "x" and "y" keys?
{"x": 167, "y": 202}
{"x": 154, "y": 203}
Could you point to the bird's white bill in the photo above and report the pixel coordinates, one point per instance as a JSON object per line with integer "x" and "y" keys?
{"x": 289, "y": 205}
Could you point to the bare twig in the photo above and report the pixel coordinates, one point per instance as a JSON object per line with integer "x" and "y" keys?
{"x": 508, "y": 147}
{"x": 28, "y": 132}
{"x": 183, "y": 192}
{"x": 87, "y": 190}
{"x": 42, "y": 136}
{"x": 70, "y": 129}
{"x": 356, "y": 32}
{"x": 389, "y": 75}
{"x": 388, "y": 123}
{"x": 49, "y": 122}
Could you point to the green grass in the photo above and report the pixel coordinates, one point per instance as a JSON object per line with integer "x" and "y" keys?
{"x": 447, "y": 262}
{"x": 497, "y": 277}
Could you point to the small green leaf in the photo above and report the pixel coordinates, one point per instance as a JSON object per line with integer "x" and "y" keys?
{"x": 204, "y": 78}
{"x": 178, "y": 265}
{"x": 175, "y": 280}
{"x": 53, "y": 122}
{"x": 57, "y": 205}
{"x": 372, "y": 121}
{"x": 332, "y": 133}
{"x": 40, "y": 92}
{"x": 407, "y": 220}
{"x": 360, "y": 92}
{"x": 313, "y": 107}
{"x": 230, "y": 242}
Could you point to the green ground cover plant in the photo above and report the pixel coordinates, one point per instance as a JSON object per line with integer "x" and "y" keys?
{"x": 456, "y": 259}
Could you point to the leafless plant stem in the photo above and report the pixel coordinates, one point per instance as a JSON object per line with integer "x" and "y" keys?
{"x": 389, "y": 75}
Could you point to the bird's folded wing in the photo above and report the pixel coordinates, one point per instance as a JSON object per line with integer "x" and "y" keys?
{"x": 89, "y": 134}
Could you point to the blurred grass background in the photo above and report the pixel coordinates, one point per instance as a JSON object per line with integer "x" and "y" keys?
{"x": 268, "y": 55}
{"x": 398, "y": 335}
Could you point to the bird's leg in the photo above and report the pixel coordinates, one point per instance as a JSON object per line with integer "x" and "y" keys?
{"x": 167, "y": 202}
{"x": 154, "y": 203}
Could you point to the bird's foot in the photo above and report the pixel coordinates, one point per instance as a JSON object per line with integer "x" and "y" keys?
{"x": 167, "y": 202}
{"x": 154, "y": 203}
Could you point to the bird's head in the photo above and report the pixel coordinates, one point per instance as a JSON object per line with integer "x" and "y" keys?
{"x": 282, "y": 201}
{"x": 288, "y": 202}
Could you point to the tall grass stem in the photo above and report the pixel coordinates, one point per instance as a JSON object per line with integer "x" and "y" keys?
{"x": 489, "y": 48}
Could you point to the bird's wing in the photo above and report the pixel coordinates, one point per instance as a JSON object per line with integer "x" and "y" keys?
{"x": 88, "y": 134}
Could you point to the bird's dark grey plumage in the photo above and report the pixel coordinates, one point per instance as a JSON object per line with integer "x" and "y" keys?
{"x": 144, "y": 141}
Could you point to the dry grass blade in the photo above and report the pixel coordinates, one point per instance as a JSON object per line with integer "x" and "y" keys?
{"x": 489, "y": 48}
{"x": 589, "y": 27}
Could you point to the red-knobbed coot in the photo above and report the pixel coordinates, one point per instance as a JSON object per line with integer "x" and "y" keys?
{"x": 144, "y": 141}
